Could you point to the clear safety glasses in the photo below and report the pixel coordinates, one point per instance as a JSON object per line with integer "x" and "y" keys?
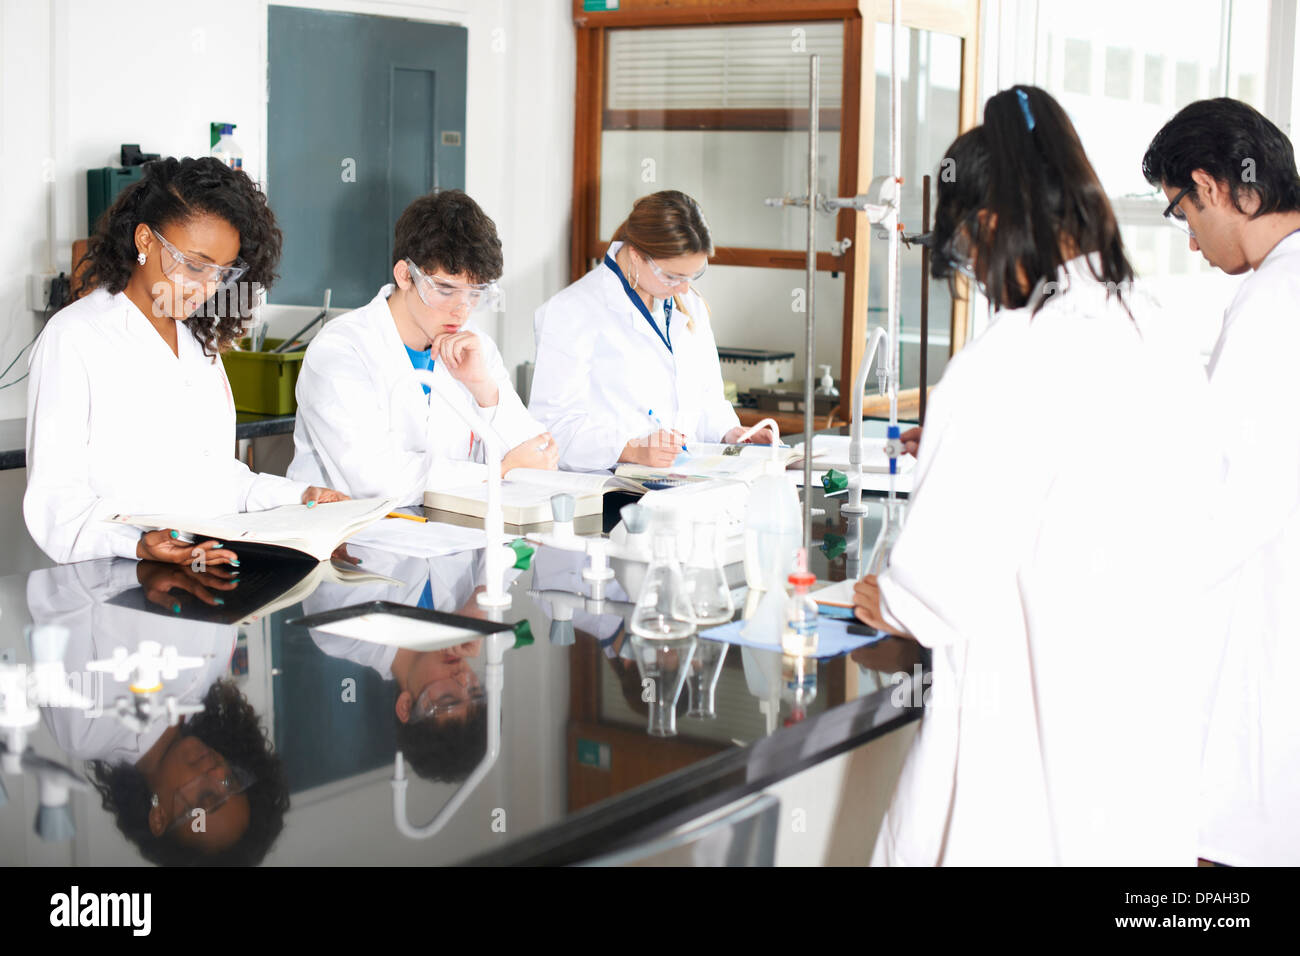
{"x": 207, "y": 792}
{"x": 672, "y": 278}
{"x": 439, "y": 699}
{"x": 1174, "y": 216}
{"x": 443, "y": 294}
{"x": 196, "y": 271}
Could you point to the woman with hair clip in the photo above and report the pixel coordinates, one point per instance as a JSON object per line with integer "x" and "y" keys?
{"x": 129, "y": 409}
{"x": 1050, "y": 556}
{"x": 627, "y": 369}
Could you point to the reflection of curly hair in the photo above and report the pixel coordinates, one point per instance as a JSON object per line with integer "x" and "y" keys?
{"x": 229, "y": 726}
{"x": 177, "y": 191}
{"x": 444, "y": 750}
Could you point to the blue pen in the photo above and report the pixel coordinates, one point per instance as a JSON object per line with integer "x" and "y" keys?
{"x": 655, "y": 418}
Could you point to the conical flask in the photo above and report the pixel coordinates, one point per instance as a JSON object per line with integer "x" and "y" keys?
{"x": 663, "y": 608}
{"x": 890, "y": 528}
{"x": 706, "y": 581}
{"x": 664, "y": 664}
{"x": 702, "y": 681}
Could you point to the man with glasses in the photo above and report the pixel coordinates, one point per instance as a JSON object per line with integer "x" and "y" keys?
{"x": 1230, "y": 177}
{"x": 364, "y": 418}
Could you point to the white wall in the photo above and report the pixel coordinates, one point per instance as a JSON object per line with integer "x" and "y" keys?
{"x": 78, "y": 81}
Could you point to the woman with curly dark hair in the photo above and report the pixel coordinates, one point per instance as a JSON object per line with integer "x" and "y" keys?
{"x": 210, "y": 791}
{"x": 129, "y": 408}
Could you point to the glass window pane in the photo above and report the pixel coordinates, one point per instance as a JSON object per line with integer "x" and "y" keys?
{"x": 763, "y": 309}
{"x": 930, "y": 119}
{"x": 719, "y": 113}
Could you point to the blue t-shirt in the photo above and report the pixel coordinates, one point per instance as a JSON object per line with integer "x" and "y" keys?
{"x": 420, "y": 360}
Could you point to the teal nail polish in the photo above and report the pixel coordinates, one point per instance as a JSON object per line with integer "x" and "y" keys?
{"x": 176, "y": 534}
{"x": 216, "y": 545}
{"x": 176, "y": 609}
{"x": 219, "y": 600}
{"x": 311, "y": 504}
{"x": 235, "y": 562}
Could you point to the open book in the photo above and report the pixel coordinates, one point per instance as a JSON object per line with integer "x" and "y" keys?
{"x": 832, "y": 451}
{"x": 526, "y": 494}
{"x": 310, "y": 532}
{"x": 703, "y": 460}
{"x": 265, "y": 585}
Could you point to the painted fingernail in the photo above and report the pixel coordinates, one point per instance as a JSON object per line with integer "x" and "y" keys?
{"x": 176, "y": 534}
{"x": 235, "y": 562}
{"x": 217, "y": 544}
{"x": 311, "y": 504}
{"x": 219, "y": 600}
{"x": 176, "y": 609}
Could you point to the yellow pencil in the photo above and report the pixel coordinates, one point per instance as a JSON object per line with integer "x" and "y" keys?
{"x": 398, "y": 514}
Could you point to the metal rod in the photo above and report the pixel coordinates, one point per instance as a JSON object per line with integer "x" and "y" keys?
{"x": 810, "y": 280}
{"x": 925, "y": 295}
{"x": 896, "y": 171}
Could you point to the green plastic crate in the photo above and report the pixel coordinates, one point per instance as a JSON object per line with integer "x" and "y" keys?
{"x": 263, "y": 382}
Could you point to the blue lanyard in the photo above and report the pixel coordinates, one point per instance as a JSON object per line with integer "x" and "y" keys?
{"x": 665, "y": 337}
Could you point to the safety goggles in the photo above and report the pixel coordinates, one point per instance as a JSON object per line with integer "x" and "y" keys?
{"x": 436, "y": 702}
{"x": 196, "y": 271}
{"x": 672, "y": 278}
{"x": 1174, "y": 216}
{"x": 443, "y": 294}
{"x": 207, "y": 792}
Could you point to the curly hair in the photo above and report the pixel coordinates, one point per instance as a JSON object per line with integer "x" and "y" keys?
{"x": 449, "y": 230}
{"x": 448, "y": 750}
{"x": 230, "y": 726}
{"x": 177, "y": 191}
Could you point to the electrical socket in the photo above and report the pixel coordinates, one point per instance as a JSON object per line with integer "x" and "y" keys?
{"x": 38, "y": 290}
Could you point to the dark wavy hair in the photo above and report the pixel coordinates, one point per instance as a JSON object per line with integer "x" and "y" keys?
{"x": 1025, "y": 166}
{"x": 1225, "y": 138}
{"x": 449, "y": 230}
{"x": 178, "y": 191}
{"x": 444, "y": 750}
{"x": 229, "y": 726}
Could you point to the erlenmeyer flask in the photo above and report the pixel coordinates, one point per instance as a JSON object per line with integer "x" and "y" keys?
{"x": 664, "y": 664}
{"x": 706, "y": 581}
{"x": 663, "y": 608}
{"x": 890, "y": 528}
{"x": 702, "y": 681}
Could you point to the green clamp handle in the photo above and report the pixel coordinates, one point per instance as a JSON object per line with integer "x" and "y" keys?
{"x": 523, "y": 553}
{"x": 834, "y": 545}
{"x": 834, "y": 481}
{"x": 523, "y": 633}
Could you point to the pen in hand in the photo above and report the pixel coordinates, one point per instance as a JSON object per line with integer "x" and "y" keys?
{"x": 655, "y": 418}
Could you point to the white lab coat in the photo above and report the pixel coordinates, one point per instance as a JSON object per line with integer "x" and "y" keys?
{"x": 601, "y": 369}
{"x": 1048, "y": 558}
{"x": 76, "y": 597}
{"x": 1251, "y": 779}
{"x": 118, "y": 424}
{"x": 365, "y": 426}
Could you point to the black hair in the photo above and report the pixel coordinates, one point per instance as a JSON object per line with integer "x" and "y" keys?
{"x": 230, "y": 726}
{"x": 178, "y": 191}
{"x": 448, "y": 230}
{"x": 1012, "y": 191}
{"x": 445, "y": 750}
{"x": 1232, "y": 142}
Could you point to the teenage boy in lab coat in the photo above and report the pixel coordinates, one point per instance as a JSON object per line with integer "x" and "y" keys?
{"x": 363, "y": 416}
{"x": 1231, "y": 181}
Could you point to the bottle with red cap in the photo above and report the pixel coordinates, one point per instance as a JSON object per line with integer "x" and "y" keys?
{"x": 799, "y": 637}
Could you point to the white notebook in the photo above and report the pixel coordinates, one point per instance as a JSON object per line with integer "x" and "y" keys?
{"x": 314, "y": 532}
{"x": 526, "y": 494}
{"x": 832, "y": 451}
{"x": 703, "y": 461}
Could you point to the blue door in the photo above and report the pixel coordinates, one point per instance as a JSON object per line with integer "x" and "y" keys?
{"x": 364, "y": 114}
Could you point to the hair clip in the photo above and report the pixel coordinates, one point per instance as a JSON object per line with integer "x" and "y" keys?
{"x": 1024, "y": 108}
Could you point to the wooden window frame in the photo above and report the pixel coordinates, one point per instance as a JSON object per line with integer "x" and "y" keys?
{"x": 855, "y": 121}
